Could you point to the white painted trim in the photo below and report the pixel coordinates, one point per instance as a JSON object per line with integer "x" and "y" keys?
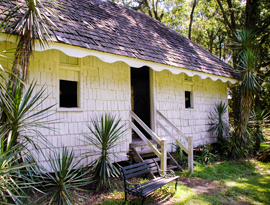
{"x": 79, "y": 52}
{"x": 66, "y": 109}
{"x": 152, "y": 100}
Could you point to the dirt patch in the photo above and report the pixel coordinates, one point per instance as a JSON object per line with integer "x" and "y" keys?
{"x": 201, "y": 186}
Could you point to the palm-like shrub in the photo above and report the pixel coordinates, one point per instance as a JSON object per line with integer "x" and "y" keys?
{"x": 29, "y": 19}
{"x": 106, "y": 132}
{"x": 14, "y": 180}
{"x": 66, "y": 177}
{"x": 219, "y": 127}
{"x": 21, "y": 115}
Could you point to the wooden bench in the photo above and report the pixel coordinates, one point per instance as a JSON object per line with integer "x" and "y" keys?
{"x": 144, "y": 189}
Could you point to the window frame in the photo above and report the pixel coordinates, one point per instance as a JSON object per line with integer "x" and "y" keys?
{"x": 71, "y": 68}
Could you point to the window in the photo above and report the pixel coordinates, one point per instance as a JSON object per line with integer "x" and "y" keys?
{"x": 65, "y": 59}
{"x": 188, "y": 99}
{"x": 68, "y": 94}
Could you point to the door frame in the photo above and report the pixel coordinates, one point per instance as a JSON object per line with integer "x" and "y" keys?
{"x": 152, "y": 96}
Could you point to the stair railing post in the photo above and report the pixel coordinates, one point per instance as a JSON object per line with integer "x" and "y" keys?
{"x": 190, "y": 154}
{"x": 163, "y": 160}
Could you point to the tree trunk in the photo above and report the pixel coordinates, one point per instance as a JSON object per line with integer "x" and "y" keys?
{"x": 211, "y": 39}
{"x": 21, "y": 61}
{"x": 252, "y": 14}
{"x": 191, "y": 18}
{"x": 246, "y": 105}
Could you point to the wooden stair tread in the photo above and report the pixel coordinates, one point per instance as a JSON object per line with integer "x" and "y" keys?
{"x": 141, "y": 143}
{"x": 146, "y": 151}
{"x": 169, "y": 166}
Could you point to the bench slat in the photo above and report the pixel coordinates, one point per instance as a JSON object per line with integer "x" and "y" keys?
{"x": 134, "y": 165}
{"x": 128, "y": 171}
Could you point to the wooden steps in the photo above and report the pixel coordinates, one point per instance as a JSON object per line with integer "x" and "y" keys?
{"x": 140, "y": 152}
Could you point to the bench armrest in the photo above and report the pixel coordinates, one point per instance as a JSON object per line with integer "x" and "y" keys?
{"x": 167, "y": 173}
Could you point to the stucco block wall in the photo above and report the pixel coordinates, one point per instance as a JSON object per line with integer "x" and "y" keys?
{"x": 170, "y": 101}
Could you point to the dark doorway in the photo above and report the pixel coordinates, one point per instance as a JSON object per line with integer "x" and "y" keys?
{"x": 140, "y": 96}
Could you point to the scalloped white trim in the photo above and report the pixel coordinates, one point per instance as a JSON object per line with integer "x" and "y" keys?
{"x": 79, "y": 52}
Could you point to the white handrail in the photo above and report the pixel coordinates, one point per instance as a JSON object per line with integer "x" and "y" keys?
{"x": 172, "y": 125}
{"x": 172, "y": 136}
{"x": 162, "y": 142}
{"x": 188, "y": 140}
{"x": 153, "y": 148}
{"x": 145, "y": 127}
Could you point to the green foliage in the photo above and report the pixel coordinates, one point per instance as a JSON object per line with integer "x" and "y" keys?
{"x": 34, "y": 21}
{"x": 219, "y": 127}
{"x": 256, "y": 125}
{"x": 207, "y": 155}
{"x": 21, "y": 115}
{"x": 67, "y": 177}
{"x": 14, "y": 179}
{"x": 179, "y": 155}
{"x": 265, "y": 155}
{"x": 106, "y": 132}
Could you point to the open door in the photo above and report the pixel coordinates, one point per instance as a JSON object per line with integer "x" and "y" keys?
{"x": 140, "y": 97}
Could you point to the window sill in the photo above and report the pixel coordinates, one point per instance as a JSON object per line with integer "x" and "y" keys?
{"x": 190, "y": 109}
{"x": 69, "y": 109}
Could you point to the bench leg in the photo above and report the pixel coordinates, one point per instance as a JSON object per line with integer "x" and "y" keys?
{"x": 125, "y": 196}
{"x": 143, "y": 199}
{"x": 176, "y": 184}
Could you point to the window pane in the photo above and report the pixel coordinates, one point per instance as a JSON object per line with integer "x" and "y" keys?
{"x": 188, "y": 99}
{"x": 68, "y": 93}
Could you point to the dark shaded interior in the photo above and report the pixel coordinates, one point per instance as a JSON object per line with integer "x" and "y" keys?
{"x": 141, "y": 95}
{"x": 68, "y": 93}
{"x": 188, "y": 99}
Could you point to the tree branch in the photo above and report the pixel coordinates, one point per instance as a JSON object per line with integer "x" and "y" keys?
{"x": 227, "y": 23}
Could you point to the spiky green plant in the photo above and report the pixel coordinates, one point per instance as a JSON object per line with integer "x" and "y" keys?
{"x": 29, "y": 19}
{"x": 106, "y": 131}
{"x": 14, "y": 180}
{"x": 219, "y": 127}
{"x": 249, "y": 86}
{"x": 68, "y": 175}
{"x": 22, "y": 115}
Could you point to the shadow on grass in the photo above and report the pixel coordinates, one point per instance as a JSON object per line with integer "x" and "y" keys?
{"x": 240, "y": 182}
{"x": 160, "y": 196}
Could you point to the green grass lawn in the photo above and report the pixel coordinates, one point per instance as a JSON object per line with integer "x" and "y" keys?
{"x": 228, "y": 182}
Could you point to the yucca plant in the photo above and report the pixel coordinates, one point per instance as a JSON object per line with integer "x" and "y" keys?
{"x": 106, "y": 131}
{"x": 22, "y": 115}
{"x": 219, "y": 127}
{"x": 68, "y": 176}
{"x": 14, "y": 180}
{"x": 29, "y": 19}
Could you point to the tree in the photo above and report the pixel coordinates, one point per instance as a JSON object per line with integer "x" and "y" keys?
{"x": 151, "y": 7}
{"x": 29, "y": 20}
{"x": 191, "y": 18}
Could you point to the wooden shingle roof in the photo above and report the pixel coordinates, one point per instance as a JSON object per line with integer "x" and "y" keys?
{"x": 112, "y": 28}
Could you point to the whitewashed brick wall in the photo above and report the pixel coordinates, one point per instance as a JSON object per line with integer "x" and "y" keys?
{"x": 170, "y": 101}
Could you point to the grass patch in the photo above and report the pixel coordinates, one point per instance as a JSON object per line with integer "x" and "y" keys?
{"x": 226, "y": 182}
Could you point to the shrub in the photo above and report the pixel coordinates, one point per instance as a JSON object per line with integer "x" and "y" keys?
{"x": 219, "y": 127}
{"x": 67, "y": 176}
{"x": 106, "y": 132}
